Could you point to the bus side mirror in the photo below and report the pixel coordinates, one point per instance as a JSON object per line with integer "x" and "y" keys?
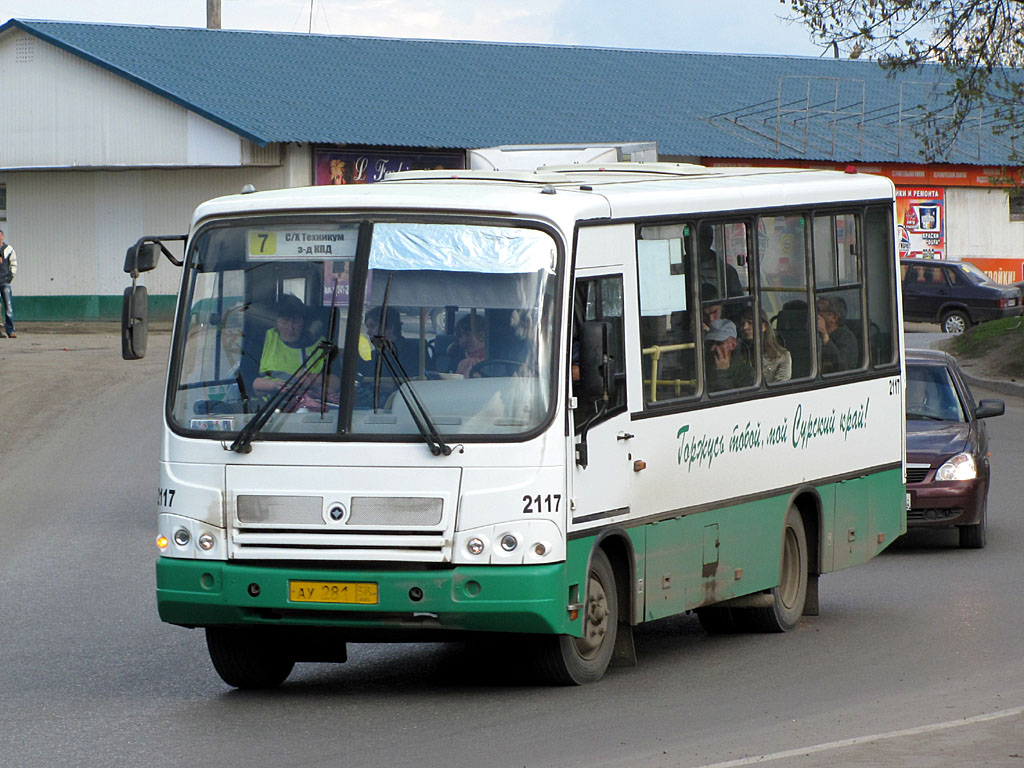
{"x": 134, "y": 322}
{"x": 595, "y": 374}
{"x": 141, "y": 257}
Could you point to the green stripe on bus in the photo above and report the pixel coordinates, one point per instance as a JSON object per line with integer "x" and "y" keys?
{"x": 77, "y": 308}
{"x": 529, "y": 598}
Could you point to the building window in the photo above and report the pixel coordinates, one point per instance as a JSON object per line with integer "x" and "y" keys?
{"x": 1016, "y": 205}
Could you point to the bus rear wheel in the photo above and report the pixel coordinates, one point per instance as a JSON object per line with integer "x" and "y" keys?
{"x": 567, "y": 660}
{"x": 247, "y": 658}
{"x": 790, "y": 595}
{"x": 720, "y": 621}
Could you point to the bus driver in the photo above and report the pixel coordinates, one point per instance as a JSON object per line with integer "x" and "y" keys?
{"x": 286, "y": 347}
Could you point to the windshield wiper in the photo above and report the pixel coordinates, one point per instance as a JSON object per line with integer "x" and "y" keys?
{"x": 386, "y": 353}
{"x": 418, "y": 411}
{"x": 243, "y": 443}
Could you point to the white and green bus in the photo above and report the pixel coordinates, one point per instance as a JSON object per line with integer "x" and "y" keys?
{"x": 555, "y": 404}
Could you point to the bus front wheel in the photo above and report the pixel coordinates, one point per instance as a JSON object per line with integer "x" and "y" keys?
{"x": 791, "y": 593}
{"x": 567, "y": 660}
{"x": 245, "y": 658}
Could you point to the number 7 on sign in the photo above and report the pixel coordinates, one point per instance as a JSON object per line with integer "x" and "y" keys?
{"x": 262, "y": 243}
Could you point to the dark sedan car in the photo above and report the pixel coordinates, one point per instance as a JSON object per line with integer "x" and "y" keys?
{"x": 947, "y": 448}
{"x": 954, "y": 294}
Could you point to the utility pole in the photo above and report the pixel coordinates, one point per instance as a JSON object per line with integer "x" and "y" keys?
{"x": 213, "y": 14}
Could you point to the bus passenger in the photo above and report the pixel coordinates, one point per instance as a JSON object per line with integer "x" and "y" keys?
{"x": 726, "y": 370}
{"x": 711, "y": 267}
{"x": 286, "y": 347}
{"x": 838, "y": 345}
{"x": 471, "y": 332}
{"x": 386, "y": 328}
{"x": 776, "y": 362}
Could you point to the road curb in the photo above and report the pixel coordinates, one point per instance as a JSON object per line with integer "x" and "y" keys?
{"x": 1002, "y": 387}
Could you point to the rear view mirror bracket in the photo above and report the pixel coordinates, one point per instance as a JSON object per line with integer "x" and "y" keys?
{"x": 145, "y": 253}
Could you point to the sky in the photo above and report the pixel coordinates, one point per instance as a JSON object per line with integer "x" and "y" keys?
{"x": 718, "y": 26}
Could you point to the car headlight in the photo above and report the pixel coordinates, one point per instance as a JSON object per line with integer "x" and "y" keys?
{"x": 960, "y": 467}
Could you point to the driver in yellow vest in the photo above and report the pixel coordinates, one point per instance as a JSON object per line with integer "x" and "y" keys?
{"x": 286, "y": 347}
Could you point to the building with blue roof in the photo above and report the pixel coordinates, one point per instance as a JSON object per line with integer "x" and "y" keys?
{"x": 115, "y": 131}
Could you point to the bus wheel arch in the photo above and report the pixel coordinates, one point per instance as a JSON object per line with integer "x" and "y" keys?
{"x": 809, "y": 504}
{"x": 605, "y": 611}
{"x": 619, "y": 550}
{"x": 788, "y": 598}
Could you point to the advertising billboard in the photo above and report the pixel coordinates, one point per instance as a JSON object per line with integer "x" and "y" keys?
{"x": 921, "y": 222}
{"x": 365, "y": 166}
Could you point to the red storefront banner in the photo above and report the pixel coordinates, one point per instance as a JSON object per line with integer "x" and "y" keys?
{"x": 901, "y": 174}
{"x": 1002, "y": 270}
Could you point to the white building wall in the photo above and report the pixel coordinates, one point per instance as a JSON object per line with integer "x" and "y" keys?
{"x": 978, "y": 225}
{"x": 61, "y": 111}
{"x": 71, "y": 228}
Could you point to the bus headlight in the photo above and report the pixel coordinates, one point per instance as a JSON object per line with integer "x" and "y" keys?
{"x": 206, "y": 541}
{"x": 182, "y": 537}
{"x": 960, "y": 467}
{"x": 520, "y": 542}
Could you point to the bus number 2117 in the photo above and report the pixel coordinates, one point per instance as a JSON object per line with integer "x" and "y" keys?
{"x": 541, "y": 504}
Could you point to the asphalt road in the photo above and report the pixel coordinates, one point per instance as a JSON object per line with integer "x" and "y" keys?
{"x": 915, "y": 659}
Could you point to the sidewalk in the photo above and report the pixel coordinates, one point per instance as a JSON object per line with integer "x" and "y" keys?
{"x": 81, "y": 327}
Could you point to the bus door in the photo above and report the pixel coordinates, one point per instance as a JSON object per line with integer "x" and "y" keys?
{"x": 601, "y": 467}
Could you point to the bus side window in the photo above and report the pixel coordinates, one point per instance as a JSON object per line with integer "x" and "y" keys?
{"x": 729, "y": 246}
{"x": 878, "y": 264}
{"x": 667, "y": 320}
{"x": 600, "y": 299}
{"x": 838, "y": 288}
{"x": 782, "y": 250}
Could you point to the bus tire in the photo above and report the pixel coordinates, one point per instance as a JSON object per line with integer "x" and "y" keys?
{"x": 718, "y": 621}
{"x": 567, "y": 660}
{"x": 791, "y": 593}
{"x": 246, "y": 658}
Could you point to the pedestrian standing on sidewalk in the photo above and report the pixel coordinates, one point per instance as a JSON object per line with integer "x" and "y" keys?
{"x": 8, "y": 268}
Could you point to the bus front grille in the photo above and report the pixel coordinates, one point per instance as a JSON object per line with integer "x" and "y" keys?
{"x": 292, "y": 544}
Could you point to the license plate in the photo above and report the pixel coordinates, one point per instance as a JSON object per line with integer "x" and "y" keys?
{"x": 909, "y": 501}
{"x": 352, "y": 593}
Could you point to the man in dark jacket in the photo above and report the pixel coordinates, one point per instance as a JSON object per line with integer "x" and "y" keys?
{"x": 8, "y": 268}
{"x": 726, "y": 369}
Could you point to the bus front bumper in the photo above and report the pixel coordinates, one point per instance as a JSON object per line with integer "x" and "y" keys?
{"x": 528, "y": 599}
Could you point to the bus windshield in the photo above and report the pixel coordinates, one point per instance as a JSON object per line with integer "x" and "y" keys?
{"x": 322, "y": 329}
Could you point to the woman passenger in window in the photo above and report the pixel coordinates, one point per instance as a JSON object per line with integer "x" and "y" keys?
{"x": 776, "y": 362}
{"x": 471, "y": 332}
{"x": 836, "y": 343}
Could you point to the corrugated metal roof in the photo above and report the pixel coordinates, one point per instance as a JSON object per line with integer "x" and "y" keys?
{"x": 276, "y": 87}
